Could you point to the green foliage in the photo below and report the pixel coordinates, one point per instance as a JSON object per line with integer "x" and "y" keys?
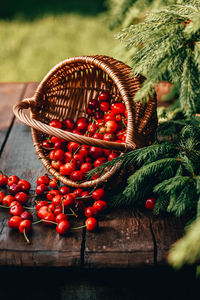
{"x": 168, "y": 44}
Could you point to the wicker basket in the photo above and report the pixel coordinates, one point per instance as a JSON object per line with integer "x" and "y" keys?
{"x": 65, "y": 92}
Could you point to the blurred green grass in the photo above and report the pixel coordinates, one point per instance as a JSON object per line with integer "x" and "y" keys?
{"x": 31, "y": 44}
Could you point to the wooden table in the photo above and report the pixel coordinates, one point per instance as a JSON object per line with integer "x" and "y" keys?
{"x": 127, "y": 238}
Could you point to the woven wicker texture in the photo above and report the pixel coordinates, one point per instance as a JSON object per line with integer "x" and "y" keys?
{"x": 65, "y": 92}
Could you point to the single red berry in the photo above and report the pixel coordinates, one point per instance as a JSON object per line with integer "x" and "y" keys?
{"x": 86, "y": 167}
{"x": 86, "y": 196}
{"x": 77, "y": 192}
{"x": 89, "y": 112}
{"x": 2, "y": 195}
{"x": 150, "y": 203}
{"x": 41, "y": 204}
{"x": 68, "y": 200}
{"x": 13, "y": 179}
{"x": 43, "y": 180}
{"x": 51, "y": 154}
{"x": 21, "y": 197}
{"x": 53, "y": 184}
{"x": 77, "y": 176}
{"x": 100, "y": 205}
{"x": 43, "y": 212}
{"x": 67, "y": 157}
{"x": 90, "y": 212}
{"x": 14, "y": 222}
{"x": 91, "y": 224}
{"x": 55, "y": 139}
{"x": 26, "y": 215}
{"x": 46, "y": 144}
{"x": 109, "y": 137}
{"x": 97, "y": 135}
{"x": 58, "y": 210}
{"x": 61, "y": 217}
{"x": 84, "y": 151}
{"x": 40, "y": 189}
{"x": 104, "y": 96}
{"x": 25, "y": 226}
{"x": 111, "y": 126}
{"x": 14, "y": 189}
{"x": 104, "y": 106}
{"x": 58, "y": 154}
{"x": 64, "y": 190}
{"x": 72, "y": 146}
{"x": 16, "y": 209}
{"x": 78, "y": 159}
{"x": 98, "y": 194}
{"x": 99, "y": 161}
{"x": 59, "y": 146}
{"x": 48, "y": 219}
{"x": 3, "y": 180}
{"x": 68, "y": 124}
{"x": 111, "y": 156}
{"x": 51, "y": 207}
{"x": 96, "y": 152}
{"x": 63, "y": 227}
{"x": 7, "y": 200}
{"x": 24, "y": 185}
{"x": 118, "y": 108}
{"x": 56, "y": 124}
{"x": 57, "y": 200}
{"x": 82, "y": 126}
{"x": 56, "y": 164}
{"x": 93, "y": 104}
{"x": 110, "y": 116}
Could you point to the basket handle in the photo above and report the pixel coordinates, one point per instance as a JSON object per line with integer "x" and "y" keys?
{"x": 38, "y": 125}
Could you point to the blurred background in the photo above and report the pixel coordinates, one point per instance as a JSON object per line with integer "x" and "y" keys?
{"x": 35, "y": 35}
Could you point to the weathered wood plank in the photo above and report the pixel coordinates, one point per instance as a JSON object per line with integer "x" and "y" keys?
{"x": 124, "y": 241}
{"x": 166, "y": 231}
{"x": 10, "y": 93}
{"x": 47, "y": 248}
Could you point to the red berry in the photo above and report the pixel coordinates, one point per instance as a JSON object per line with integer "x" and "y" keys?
{"x": 59, "y": 145}
{"x": 110, "y": 116}
{"x": 68, "y": 200}
{"x": 56, "y": 124}
{"x": 67, "y": 168}
{"x": 99, "y": 161}
{"x": 78, "y": 159}
{"x": 97, "y": 135}
{"x": 3, "y": 180}
{"x": 51, "y": 194}
{"x": 25, "y": 225}
{"x": 77, "y": 192}
{"x": 13, "y": 179}
{"x": 111, "y": 126}
{"x": 89, "y": 112}
{"x": 48, "y": 219}
{"x": 96, "y": 152}
{"x": 150, "y": 203}
{"x": 100, "y": 205}
{"x": 16, "y": 209}
{"x": 7, "y": 200}
{"x": 2, "y": 195}
{"x": 64, "y": 190}
{"x": 43, "y": 212}
{"x": 84, "y": 151}
{"x": 55, "y": 139}
{"x": 98, "y": 194}
{"x": 14, "y": 189}
{"x": 72, "y": 146}
{"x": 86, "y": 167}
{"x": 61, "y": 217}
{"x": 112, "y": 156}
{"x": 92, "y": 128}
{"x": 26, "y": 215}
{"x": 63, "y": 227}
{"x": 21, "y": 197}
{"x": 99, "y": 115}
{"x": 53, "y": 184}
{"x": 58, "y": 154}
{"x": 109, "y": 137}
{"x": 86, "y": 195}
{"x": 91, "y": 224}
{"x": 14, "y": 222}
{"x": 43, "y": 180}
{"x": 67, "y": 157}
{"x": 24, "y": 185}
{"x": 51, "y": 207}
{"x": 41, "y": 204}
{"x": 56, "y": 164}
{"x": 58, "y": 210}
{"x": 57, "y": 200}
{"x": 40, "y": 189}
{"x": 68, "y": 124}
{"x": 104, "y": 106}
{"x": 118, "y": 108}
{"x": 104, "y": 96}
{"x": 47, "y": 145}
{"x": 93, "y": 104}
{"x": 77, "y": 176}
{"x": 82, "y": 126}
{"x": 90, "y": 212}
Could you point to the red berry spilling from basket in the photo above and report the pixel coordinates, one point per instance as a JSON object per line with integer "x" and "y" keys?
{"x": 104, "y": 120}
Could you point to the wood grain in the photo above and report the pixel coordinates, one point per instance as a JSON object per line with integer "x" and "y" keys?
{"x": 47, "y": 248}
{"x": 124, "y": 240}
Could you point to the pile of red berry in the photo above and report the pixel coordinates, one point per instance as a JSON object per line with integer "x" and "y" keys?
{"x": 108, "y": 121}
{"x": 57, "y": 206}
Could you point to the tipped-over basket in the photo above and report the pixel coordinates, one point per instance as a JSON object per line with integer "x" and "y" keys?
{"x": 65, "y": 92}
